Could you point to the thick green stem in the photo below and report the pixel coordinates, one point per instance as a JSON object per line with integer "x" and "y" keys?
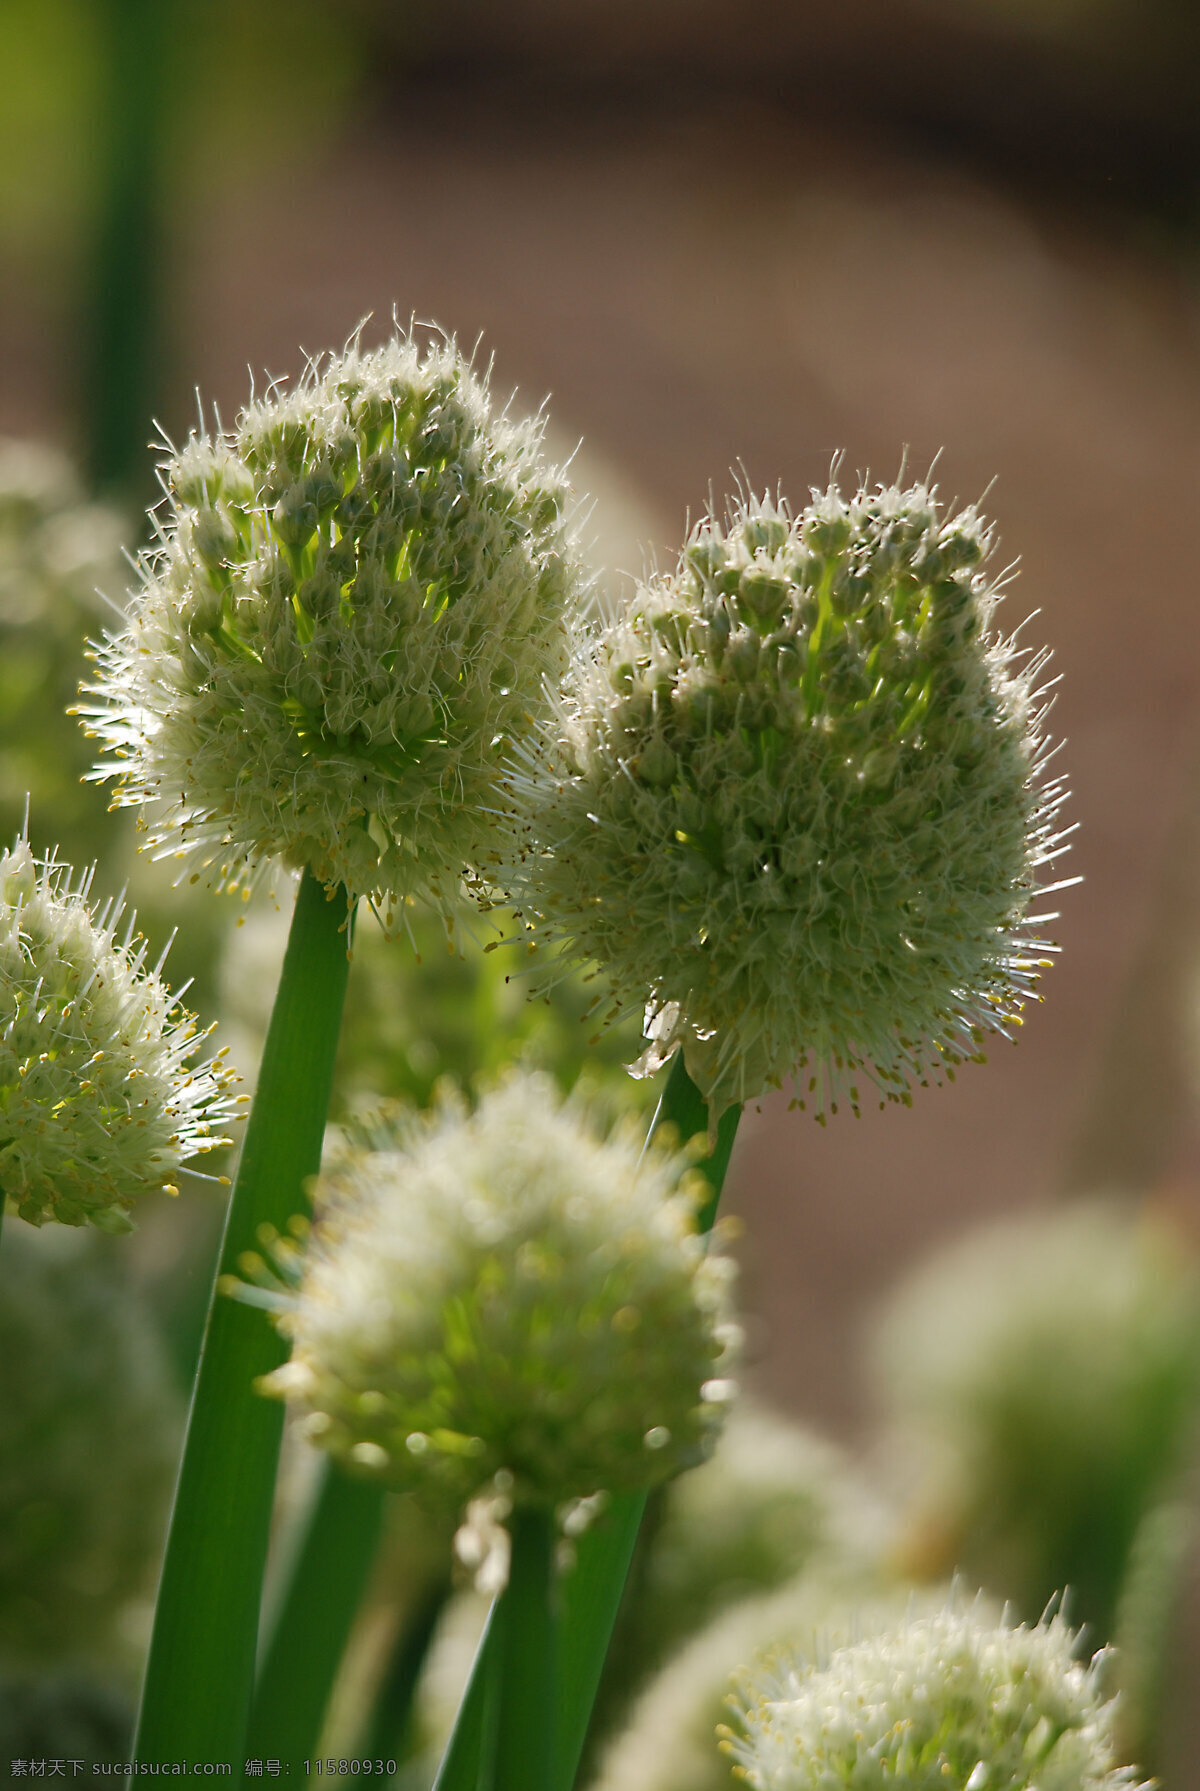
{"x": 200, "y": 1671}
{"x": 314, "y": 1619}
{"x": 528, "y": 1688}
{"x": 591, "y": 1592}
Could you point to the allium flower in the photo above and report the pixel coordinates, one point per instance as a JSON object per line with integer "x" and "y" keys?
{"x": 90, "y": 1423}
{"x": 509, "y": 1303}
{"x": 669, "y": 1742}
{"x": 943, "y": 1702}
{"x": 354, "y": 600}
{"x": 1042, "y": 1374}
{"x": 792, "y": 800}
{"x": 97, "y": 1103}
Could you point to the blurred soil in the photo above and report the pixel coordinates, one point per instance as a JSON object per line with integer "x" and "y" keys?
{"x": 712, "y": 287}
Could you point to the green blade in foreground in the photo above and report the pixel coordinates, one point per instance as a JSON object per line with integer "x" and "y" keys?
{"x": 591, "y": 1592}
{"x": 315, "y": 1617}
{"x": 470, "y": 1756}
{"x": 528, "y": 1683}
{"x": 200, "y": 1672}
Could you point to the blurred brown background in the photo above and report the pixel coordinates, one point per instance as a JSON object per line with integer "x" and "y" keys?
{"x": 724, "y": 236}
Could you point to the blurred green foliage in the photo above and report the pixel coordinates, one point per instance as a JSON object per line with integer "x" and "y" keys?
{"x": 63, "y": 1716}
{"x": 421, "y": 1007}
{"x": 220, "y": 120}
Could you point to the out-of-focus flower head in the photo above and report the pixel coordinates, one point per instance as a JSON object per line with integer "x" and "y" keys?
{"x": 89, "y": 1432}
{"x": 101, "y": 1105}
{"x": 501, "y": 1303}
{"x": 792, "y": 801}
{"x": 1042, "y": 1375}
{"x": 55, "y": 546}
{"x": 354, "y": 600}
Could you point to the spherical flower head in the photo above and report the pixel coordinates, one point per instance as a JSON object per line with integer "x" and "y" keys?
{"x": 100, "y": 1106}
{"x": 355, "y": 598}
{"x": 1042, "y": 1374}
{"x": 670, "y": 1739}
{"x": 942, "y": 1702}
{"x": 90, "y": 1425}
{"x": 791, "y": 799}
{"x": 510, "y": 1301}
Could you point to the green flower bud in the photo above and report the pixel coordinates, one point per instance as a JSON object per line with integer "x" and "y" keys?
{"x": 504, "y": 1295}
{"x": 353, "y": 604}
{"x": 98, "y": 1104}
{"x": 942, "y": 1701}
{"x": 792, "y": 802}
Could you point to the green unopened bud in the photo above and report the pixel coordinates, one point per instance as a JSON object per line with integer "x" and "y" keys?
{"x": 836, "y": 876}
{"x": 503, "y": 1294}
{"x": 383, "y": 538}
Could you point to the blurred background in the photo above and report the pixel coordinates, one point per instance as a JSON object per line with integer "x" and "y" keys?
{"x": 722, "y": 237}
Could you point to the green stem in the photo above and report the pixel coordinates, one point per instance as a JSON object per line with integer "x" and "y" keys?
{"x": 591, "y": 1599}
{"x": 314, "y": 1619}
{"x": 200, "y": 1671}
{"x": 469, "y": 1758}
{"x": 525, "y": 1716}
{"x": 591, "y": 1593}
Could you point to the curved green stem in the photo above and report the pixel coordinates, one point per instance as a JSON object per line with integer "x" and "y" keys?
{"x": 200, "y": 1670}
{"x": 314, "y": 1619}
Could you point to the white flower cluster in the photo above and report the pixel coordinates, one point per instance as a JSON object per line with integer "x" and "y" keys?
{"x": 942, "y": 1703}
{"x": 355, "y": 598}
{"x": 98, "y": 1104}
{"x": 669, "y": 1742}
{"x": 791, "y": 800}
{"x": 502, "y": 1300}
